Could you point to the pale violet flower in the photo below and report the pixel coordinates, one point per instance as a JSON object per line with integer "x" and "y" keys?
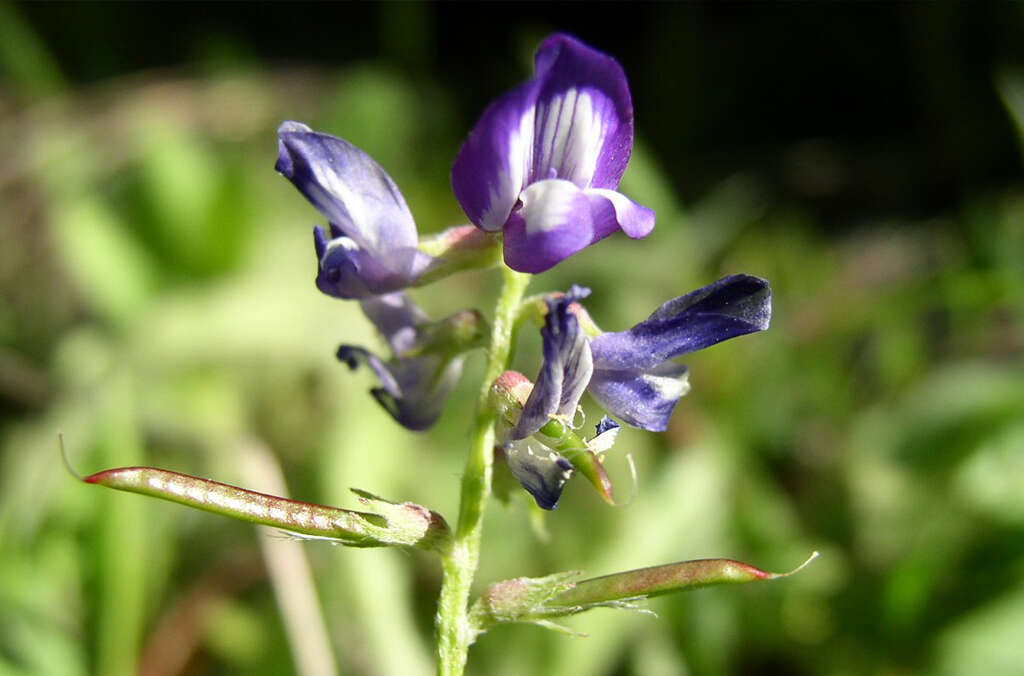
{"x": 372, "y": 244}
{"x": 426, "y": 357}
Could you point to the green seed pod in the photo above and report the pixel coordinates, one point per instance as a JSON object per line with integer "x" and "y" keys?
{"x": 397, "y": 524}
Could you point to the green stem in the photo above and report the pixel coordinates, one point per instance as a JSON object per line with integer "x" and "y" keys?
{"x": 455, "y": 633}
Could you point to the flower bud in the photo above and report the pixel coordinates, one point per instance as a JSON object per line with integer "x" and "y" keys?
{"x": 508, "y": 395}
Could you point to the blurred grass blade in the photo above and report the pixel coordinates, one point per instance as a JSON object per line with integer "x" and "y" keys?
{"x": 111, "y": 269}
{"x": 404, "y": 524}
{"x": 28, "y": 64}
{"x": 290, "y": 573}
{"x": 124, "y": 555}
{"x": 1010, "y": 85}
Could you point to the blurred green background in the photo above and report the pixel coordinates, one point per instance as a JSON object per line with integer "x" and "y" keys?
{"x": 157, "y": 305}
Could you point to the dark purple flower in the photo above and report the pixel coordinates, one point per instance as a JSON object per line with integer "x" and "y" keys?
{"x": 544, "y": 161}
{"x": 566, "y": 370}
{"x": 542, "y": 471}
{"x": 426, "y": 357}
{"x": 372, "y": 247}
{"x": 634, "y": 378}
{"x": 567, "y": 367}
{"x": 631, "y": 373}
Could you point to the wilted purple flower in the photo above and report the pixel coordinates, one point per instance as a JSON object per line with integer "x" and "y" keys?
{"x": 629, "y": 372}
{"x": 372, "y": 248}
{"x": 567, "y": 368}
{"x": 634, "y": 378}
{"x": 543, "y": 471}
{"x": 427, "y": 357}
{"x": 544, "y": 161}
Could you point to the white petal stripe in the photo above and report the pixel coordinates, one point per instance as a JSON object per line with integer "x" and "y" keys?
{"x": 571, "y": 135}
{"x": 511, "y": 177}
{"x": 548, "y": 205}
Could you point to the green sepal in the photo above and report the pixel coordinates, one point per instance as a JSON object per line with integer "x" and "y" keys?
{"x": 522, "y": 599}
{"x": 534, "y": 309}
{"x": 507, "y": 396}
{"x": 453, "y": 335}
{"x": 463, "y": 247}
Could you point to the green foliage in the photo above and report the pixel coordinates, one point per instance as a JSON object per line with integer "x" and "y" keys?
{"x": 173, "y": 316}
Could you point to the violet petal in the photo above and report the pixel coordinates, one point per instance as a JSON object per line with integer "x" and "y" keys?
{"x": 641, "y": 398}
{"x": 347, "y": 186}
{"x": 583, "y": 130}
{"x": 347, "y": 271}
{"x": 397, "y": 317}
{"x": 414, "y": 390}
{"x": 491, "y": 168}
{"x": 732, "y": 306}
{"x": 636, "y": 220}
{"x": 555, "y": 222}
{"x": 566, "y": 370}
{"x": 541, "y": 471}
{"x": 373, "y": 245}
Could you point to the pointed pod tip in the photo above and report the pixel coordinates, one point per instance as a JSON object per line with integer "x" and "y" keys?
{"x": 108, "y": 477}
{"x": 814, "y": 555}
{"x": 774, "y": 576}
{"x": 65, "y": 458}
{"x": 598, "y": 476}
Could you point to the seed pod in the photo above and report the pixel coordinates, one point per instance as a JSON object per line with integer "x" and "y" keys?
{"x": 538, "y": 600}
{"x": 398, "y": 524}
{"x": 659, "y": 580}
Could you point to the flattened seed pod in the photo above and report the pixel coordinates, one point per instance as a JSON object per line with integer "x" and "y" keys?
{"x": 402, "y": 524}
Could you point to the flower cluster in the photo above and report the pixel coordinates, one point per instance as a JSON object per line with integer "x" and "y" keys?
{"x": 538, "y": 176}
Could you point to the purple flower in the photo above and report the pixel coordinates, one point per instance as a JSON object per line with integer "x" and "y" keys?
{"x": 427, "y": 357}
{"x": 372, "y": 248}
{"x": 544, "y": 161}
{"x": 542, "y": 471}
{"x": 567, "y": 368}
{"x": 634, "y": 378}
{"x": 631, "y": 373}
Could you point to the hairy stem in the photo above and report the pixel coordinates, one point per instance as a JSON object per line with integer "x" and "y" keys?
{"x": 455, "y": 633}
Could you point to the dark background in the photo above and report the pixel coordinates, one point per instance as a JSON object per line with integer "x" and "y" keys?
{"x": 897, "y": 99}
